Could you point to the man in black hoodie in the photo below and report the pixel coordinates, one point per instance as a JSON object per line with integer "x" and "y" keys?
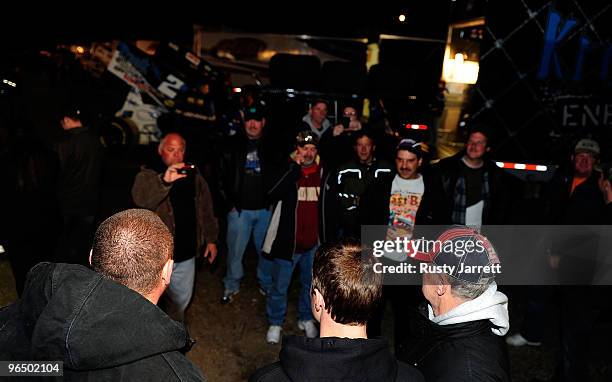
{"x": 104, "y": 325}
{"x": 345, "y": 292}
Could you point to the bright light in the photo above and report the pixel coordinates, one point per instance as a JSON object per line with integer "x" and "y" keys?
{"x": 522, "y": 166}
{"x": 9, "y": 83}
{"x": 459, "y": 70}
{"x": 237, "y": 90}
{"x": 80, "y": 50}
{"x": 402, "y": 18}
{"x": 415, "y": 126}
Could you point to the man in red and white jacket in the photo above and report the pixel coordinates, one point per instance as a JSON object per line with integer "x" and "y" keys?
{"x": 293, "y": 234}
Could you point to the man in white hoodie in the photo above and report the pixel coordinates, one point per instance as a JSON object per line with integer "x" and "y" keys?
{"x": 459, "y": 337}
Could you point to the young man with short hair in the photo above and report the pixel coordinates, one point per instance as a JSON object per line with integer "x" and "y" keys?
{"x": 345, "y": 293}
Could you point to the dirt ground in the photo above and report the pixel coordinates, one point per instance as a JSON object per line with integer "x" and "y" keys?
{"x": 231, "y": 341}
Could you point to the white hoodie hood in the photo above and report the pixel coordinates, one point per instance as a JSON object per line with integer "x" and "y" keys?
{"x": 491, "y": 305}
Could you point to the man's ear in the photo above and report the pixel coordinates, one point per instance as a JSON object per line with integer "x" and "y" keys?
{"x": 167, "y": 272}
{"x": 318, "y": 300}
{"x": 442, "y": 289}
{"x": 420, "y": 162}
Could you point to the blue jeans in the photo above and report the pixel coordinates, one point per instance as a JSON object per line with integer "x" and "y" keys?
{"x": 240, "y": 227}
{"x": 276, "y": 305}
{"x": 179, "y": 292}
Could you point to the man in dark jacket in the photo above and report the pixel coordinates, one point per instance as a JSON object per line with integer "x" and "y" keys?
{"x": 180, "y": 196}
{"x": 246, "y": 176}
{"x": 402, "y": 202}
{"x": 104, "y": 324}
{"x": 459, "y": 337}
{"x": 293, "y": 235}
{"x": 345, "y": 293}
{"x": 473, "y": 185}
{"x": 80, "y": 158}
{"x": 408, "y": 198}
{"x": 349, "y": 183}
{"x": 574, "y": 198}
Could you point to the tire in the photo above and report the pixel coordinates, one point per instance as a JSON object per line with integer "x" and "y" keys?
{"x": 119, "y": 135}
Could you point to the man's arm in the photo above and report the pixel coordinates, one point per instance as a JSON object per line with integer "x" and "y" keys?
{"x": 151, "y": 188}
{"x": 286, "y": 183}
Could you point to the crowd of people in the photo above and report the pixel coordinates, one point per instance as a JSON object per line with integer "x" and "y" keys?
{"x": 303, "y": 208}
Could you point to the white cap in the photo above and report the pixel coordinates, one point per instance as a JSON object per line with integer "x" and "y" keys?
{"x": 588, "y": 145}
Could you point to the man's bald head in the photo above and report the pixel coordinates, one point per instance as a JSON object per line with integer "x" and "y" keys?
{"x": 172, "y": 149}
{"x": 132, "y": 247}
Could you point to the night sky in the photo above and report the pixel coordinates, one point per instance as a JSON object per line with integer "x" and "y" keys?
{"x": 52, "y": 23}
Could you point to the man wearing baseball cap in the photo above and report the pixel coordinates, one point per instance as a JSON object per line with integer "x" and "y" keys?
{"x": 459, "y": 337}
{"x": 246, "y": 176}
{"x": 574, "y": 198}
{"x": 402, "y": 202}
{"x": 80, "y": 158}
{"x": 293, "y": 234}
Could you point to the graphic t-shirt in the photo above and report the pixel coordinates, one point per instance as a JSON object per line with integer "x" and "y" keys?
{"x": 404, "y": 203}
{"x": 252, "y": 192}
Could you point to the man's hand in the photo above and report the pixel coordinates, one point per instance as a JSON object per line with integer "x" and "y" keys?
{"x": 210, "y": 252}
{"x": 338, "y": 129}
{"x": 297, "y": 157}
{"x": 354, "y": 125}
{"x": 171, "y": 176}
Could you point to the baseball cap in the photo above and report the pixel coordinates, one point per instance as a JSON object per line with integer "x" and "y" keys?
{"x": 466, "y": 251}
{"x": 70, "y": 110}
{"x": 411, "y": 145}
{"x": 587, "y": 145}
{"x": 305, "y": 137}
{"x": 255, "y": 111}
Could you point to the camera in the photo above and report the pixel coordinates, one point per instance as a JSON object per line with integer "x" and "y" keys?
{"x": 187, "y": 170}
{"x": 345, "y": 121}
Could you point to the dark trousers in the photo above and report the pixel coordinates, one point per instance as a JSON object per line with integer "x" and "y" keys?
{"x": 403, "y": 299}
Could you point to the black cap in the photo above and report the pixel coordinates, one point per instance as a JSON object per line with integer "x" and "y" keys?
{"x": 306, "y": 137}
{"x": 71, "y": 110}
{"x": 255, "y": 111}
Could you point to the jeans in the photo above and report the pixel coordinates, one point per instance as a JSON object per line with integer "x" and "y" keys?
{"x": 179, "y": 292}
{"x": 276, "y": 305}
{"x": 240, "y": 227}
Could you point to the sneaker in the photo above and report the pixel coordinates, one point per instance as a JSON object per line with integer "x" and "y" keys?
{"x": 309, "y": 328}
{"x": 228, "y": 296}
{"x": 274, "y": 334}
{"x": 518, "y": 340}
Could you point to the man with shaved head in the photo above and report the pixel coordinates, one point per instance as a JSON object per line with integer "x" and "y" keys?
{"x": 104, "y": 324}
{"x": 178, "y": 193}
